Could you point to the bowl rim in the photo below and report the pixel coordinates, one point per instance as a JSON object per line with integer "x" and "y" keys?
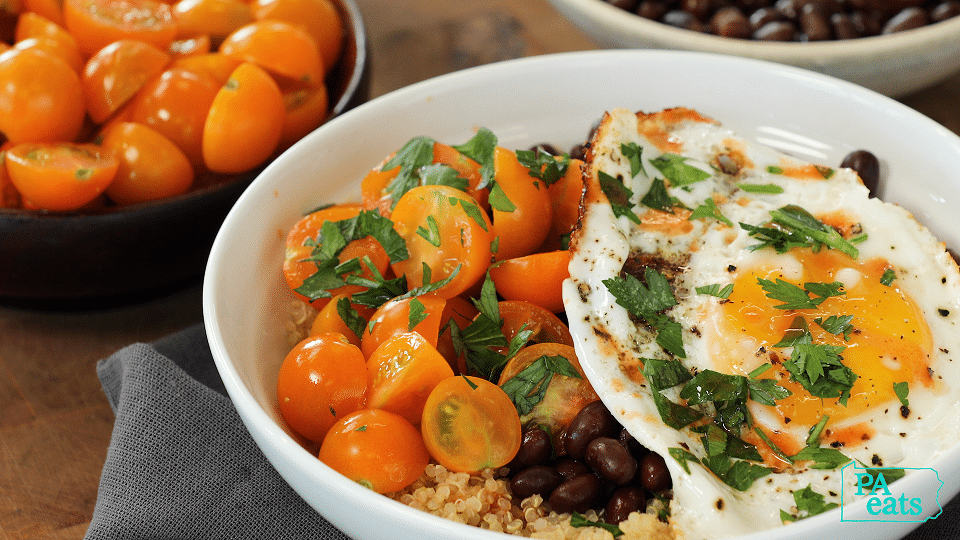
{"x": 355, "y": 47}
{"x": 630, "y": 24}
{"x": 253, "y": 414}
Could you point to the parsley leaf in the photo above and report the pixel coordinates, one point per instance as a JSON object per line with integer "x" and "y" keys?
{"x": 499, "y": 200}
{"x": 619, "y": 196}
{"x": 647, "y": 302}
{"x": 418, "y": 313}
{"x": 416, "y": 153}
{"x": 888, "y": 277}
{"x": 472, "y": 210}
{"x": 714, "y": 289}
{"x": 902, "y": 390}
{"x": 633, "y": 153}
{"x": 813, "y": 436}
{"x": 809, "y": 503}
{"x": 822, "y": 457}
{"x": 528, "y": 387}
{"x": 767, "y": 189}
{"x": 578, "y": 520}
{"x": 708, "y": 209}
{"x": 675, "y": 169}
{"x": 837, "y": 325}
{"x": 682, "y": 457}
{"x": 481, "y": 148}
{"x": 658, "y": 198}
{"x": 433, "y": 234}
{"x": 820, "y": 370}
{"x": 443, "y": 175}
{"x": 793, "y": 297}
{"x": 543, "y": 166}
{"x": 351, "y": 317}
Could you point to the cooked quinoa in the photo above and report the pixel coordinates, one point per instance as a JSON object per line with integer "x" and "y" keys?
{"x": 484, "y": 501}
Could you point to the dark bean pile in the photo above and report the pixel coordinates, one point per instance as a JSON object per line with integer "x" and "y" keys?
{"x": 794, "y": 20}
{"x": 603, "y": 467}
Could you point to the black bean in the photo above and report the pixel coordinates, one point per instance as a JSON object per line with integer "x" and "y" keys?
{"x": 546, "y": 148}
{"x": 593, "y": 421}
{"x": 763, "y": 16}
{"x": 636, "y": 449}
{"x": 698, "y": 8}
{"x": 628, "y": 5}
{"x": 572, "y": 468}
{"x": 536, "y": 480}
{"x": 654, "y": 475}
{"x": 730, "y": 22}
{"x": 651, "y": 10}
{"x": 814, "y": 24}
{"x": 535, "y": 447}
{"x": 945, "y": 10}
{"x": 867, "y": 166}
{"x": 611, "y": 460}
{"x": 776, "y": 31}
{"x": 843, "y": 27}
{"x": 624, "y": 501}
{"x": 575, "y": 495}
{"x": 682, "y": 19}
{"x": 908, "y": 19}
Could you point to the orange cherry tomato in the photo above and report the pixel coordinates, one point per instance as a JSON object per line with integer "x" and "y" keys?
{"x": 460, "y": 312}
{"x": 116, "y": 72}
{"x": 63, "y": 49}
{"x": 377, "y": 449}
{"x": 31, "y": 24}
{"x": 322, "y": 380}
{"x": 191, "y": 46}
{"x": 214, "y": 18}
{"x": 565, "y": 196}
{"x": 245, "y": 121}
{"x": 60, "y": 176}
{"x": 278, "y": 47}
{"x": 373, "y": 187}
{"x": 567, "y": 392}
{"x": 176, "y": 104}
{"x": 307, "y": 108}
{"x": 296, "y": 267}
{"x": 421, "y": 314}
{"x": 319, "y": 18}
{"x": 9, "y": 196}
{"x": 98, "y": 23}
{"x": 151, "y": 166}
{"x": 522, "y": 229}
{"x": 470, "y": 424}
{"x": 402, "y": 372}
{"x": 329, "y": 319}
{"x": 446, "y": 231}
{"x": 50, "y": 9}
{"x": 40, "y": 97}
{"x": 545, "y": 325}
{"x": 536, "y": 278}
{"x": 214, "y": 66}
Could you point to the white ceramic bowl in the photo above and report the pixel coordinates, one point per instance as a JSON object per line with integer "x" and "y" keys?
{"x": 894, "y": 65}
{"x": 542, "y": 99}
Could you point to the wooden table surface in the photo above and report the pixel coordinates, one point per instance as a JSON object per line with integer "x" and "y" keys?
{"x": 55, "y": 422}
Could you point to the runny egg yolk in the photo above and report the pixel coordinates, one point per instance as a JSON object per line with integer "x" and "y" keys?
{"x": 890, "y": 341}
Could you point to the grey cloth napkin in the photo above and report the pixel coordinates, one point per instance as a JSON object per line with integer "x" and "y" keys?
{"x": 180, "y": 462}
{"x": 182, "y": 465}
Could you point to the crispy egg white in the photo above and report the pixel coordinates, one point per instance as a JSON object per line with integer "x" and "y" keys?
{"x": 902, "y": 332}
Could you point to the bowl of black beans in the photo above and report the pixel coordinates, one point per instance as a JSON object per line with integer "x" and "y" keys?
{"x": 895, "y": 47}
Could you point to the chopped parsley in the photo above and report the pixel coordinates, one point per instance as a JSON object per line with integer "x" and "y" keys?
{"x": 633, "y": 153}
{"x": 809, "y": 503}
{"x": 528, "y": 387}
{"x": 481, "y": 148}
{"x": 578, "y": 520}
{"x": 794, "y": 227}
{"x": 767, "y": 189}
{"x": 715, "y": 289}
{"x": 836, "y": 325}
{"x": 888, "y": 277}
{"x": 648, "y": 302}
{"x": 902, "y": 390}
{"x": 675, "y": 169}
{"x": 794, "y": 297}
{"x": 543, "y": 166}
{"x": 658, "y": 198}
{"x": 708, "y": 209}
{"x": 619, "y": 196}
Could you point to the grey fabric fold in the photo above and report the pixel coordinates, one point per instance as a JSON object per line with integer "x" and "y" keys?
{"x": 180, "y": 462}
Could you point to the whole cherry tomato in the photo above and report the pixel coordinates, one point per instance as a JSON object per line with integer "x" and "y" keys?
{"x": 322, "y": 380}
{"x": 278, "y": 47}
{"x": 523, "y": 224}
{"x": 214, "y": 18}
{"x": 536, "y": 278}
{"x": 421, "y": 314}
{"x": 98, "y": 23}
{"x": 376, "y": 448}
{"x": 40, "y": 97}
{"x": 319, "y": 18}
{"x": 402, "y": 372}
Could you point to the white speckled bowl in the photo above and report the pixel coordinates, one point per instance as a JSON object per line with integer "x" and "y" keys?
{"x": 894, "y": 65}
{"x": 553, "y": 99}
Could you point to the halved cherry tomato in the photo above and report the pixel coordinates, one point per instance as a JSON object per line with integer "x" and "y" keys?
{"x": 545, "y": 325}
{"x": 60, "y": 176}
{"x": 116, "y": 72}
{"x": 9, "y": 196}
{"x": 376, "y": 448}
{"x": 35, "y": 25}
{"x": 523, "y": 228}
{"x": 40, "y": 97}
{"x": 420, "y": 314}
{"x": 51, "y": 9}
{"x": 470, "y": 424}
{"x": 306, "y": 110}
{"x": 245, "y": 121}
{"x": 214, "y": 66}
{"x": 565, "y": 195}
{"x": 300, "y": 244}
{"x": 63, "y": 50}
{"x": 460, "y": 312}
{"x": 567, "y": 391}
{"x": 278, "y": 47}
{"x": 319, "y": 18}
{"x": 151, "y": 166}
{"x": 176, "y": 104}
{"x": 322, "y": 379}
{"x": 329, "y": 318}
{"x": 98, "y": 23}
{"x": 214, "y": 18}
{"x": 191, "y": 46}
{"x": 447, "y": 232}
{"x": 402, "y": 372}
{"x": 536, "y": 278}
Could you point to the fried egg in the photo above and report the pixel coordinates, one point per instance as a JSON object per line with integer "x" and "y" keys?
{"x": 843, "y": 347}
